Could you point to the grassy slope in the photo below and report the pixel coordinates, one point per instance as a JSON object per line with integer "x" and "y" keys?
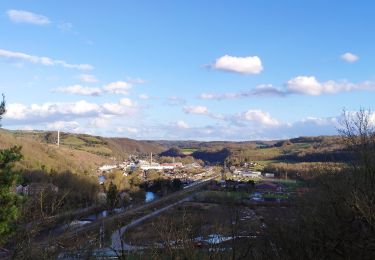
{"x": 77, "y": 152}
{"x": 39, "y": 155}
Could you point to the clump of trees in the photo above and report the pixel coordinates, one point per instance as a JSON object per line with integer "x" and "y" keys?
{"x": 336, "y": 220}
{"x": 172, "y": 152}
{"x": 212, "y": 156}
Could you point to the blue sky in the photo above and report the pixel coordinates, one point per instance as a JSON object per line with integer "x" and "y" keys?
{"x": 204, "y": 70}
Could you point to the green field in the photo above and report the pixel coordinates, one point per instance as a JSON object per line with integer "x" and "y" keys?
{"x": 188, "y": 151}
{"x": 221, "y": 196}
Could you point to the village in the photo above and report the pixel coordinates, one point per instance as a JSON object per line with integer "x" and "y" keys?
{"x": 172, "y": 170}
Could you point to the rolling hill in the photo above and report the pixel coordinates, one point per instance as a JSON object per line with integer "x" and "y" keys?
{"x": 77, "y": 152}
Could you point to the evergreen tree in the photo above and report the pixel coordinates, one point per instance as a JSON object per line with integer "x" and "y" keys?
{"x": 9, "y": 200}
{"x": 112, "y": 196}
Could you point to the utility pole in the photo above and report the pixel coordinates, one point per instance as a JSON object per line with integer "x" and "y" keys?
{"x": 58, "y": 138}
{"x": 151, "y": 158}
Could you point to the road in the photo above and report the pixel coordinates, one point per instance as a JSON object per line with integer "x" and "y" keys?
{"x": 117, "y": 244}
{"x": 95, "y": 226}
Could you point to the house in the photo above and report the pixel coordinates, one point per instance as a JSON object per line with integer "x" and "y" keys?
{"x": 107, "y": 168}
{"x": 174, "y": 165}
{"x": 19, "y": 189}
{"x": 251, "y": 174}
{"x": 193, "y": 165}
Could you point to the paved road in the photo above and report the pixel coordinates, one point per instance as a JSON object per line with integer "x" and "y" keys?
{"x": 116, "y": 235}
{"x": 96, "y": 224}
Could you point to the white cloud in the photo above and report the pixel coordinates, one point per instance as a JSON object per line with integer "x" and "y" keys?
{"x": 127, "y": 102}
{"x": 305, "y": 85}
{"x": 46, "y": 61}
{"x": 65, "y": 27}
{"x": 207, "y": 96}
{"x": 16, "y": 111}
{"x": 46, "y": 110}
{"x": 67, "y": 111}
{"x": 260, "y": 90}
{"x": 20, "y": 16}
{"x": 135, "y": 81}
{"x": 175, "y": 101}
{"x": 258, "y": 116}
{"x": 88, "y": 78}
{"x": 64, "y": 126}
{"x": 131, "y": 130}
{"x": 124, "y": 107}
{"x": 143, "y": 96}
{"x": 243, "y": 65}
{"x": 100, "y": 122}
{"x": 201, "y": 110}
{"x": 79, "y": 90}
{"x": 118, "y": 87}
{"x": 182, "y": 125}
{"x": 309, "y": 85}
{"x": 349, "y": 57}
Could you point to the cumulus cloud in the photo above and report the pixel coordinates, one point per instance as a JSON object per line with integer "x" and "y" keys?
{"x": 309, "y": 85}
{"x": 21, "y": 16}
{"x": 18, "y": 111}
{"x": 243, "y": 65}
{"x": 182, "y": 124}
{"x": 46, "y": 61}
{"x": 65, "y": 27}
{"x": 127, "y": 102}
{"x": 100, "y": 122}
{"x": 88, "y": 78}
{"x": 175, "y": 101}
{"x": 118, "y": 87}
{"x": 349, "y": 57}
{"x": 79, "y": 90}
{"x": 124, "y": 107}
{"x": 143, "y": 96}
{"x": 67, "y": 111}
{"x": 69, "y": 126}
{"x": 258, "y": 116}
{"x": 131, "y": 130}
{"x": 260, "y": 90}
{"x": 135, "y": 81}
{"x": 302, "y": 85}
{"x": 305, "y": 85}
{"x": 200, "y": 110}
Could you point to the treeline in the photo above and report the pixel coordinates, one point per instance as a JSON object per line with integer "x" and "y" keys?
{"x": 72, "y": 191}
{"x": 163, "y": 186}
{"x": 303, "y": 170}
{"x": 212, "y": 156}
{"x": 322, "y": 156}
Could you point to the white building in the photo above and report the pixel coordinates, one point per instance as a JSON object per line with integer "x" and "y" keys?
{"x": 107, "y": 168}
